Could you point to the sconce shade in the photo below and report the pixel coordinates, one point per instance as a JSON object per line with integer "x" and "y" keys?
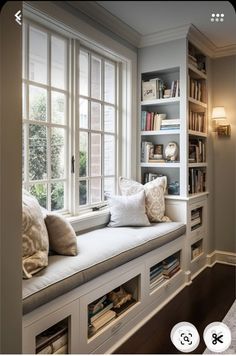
{"x": 218, "y": 113}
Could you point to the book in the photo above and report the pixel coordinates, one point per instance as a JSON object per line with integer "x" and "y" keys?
{"x": 96, "y": 305}
{"x": 101, "y": 312}
{"x": 54, "y": 345}
{"x": 62, "y": 351}
{"x": 166, "y": 271}
{"x": 170, "y": 274}
{"x": 103, "y": 319}
{"x": 124, "y": 307}
{"x": 170, "y": 122}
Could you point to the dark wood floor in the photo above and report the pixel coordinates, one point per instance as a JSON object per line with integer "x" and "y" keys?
{"x": 207, "y": 299}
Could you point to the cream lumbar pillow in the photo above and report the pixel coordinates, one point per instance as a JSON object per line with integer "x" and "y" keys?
{"x": 62, "y": 237}
{"x": 128, "y": 210}
{"x": 154, "y": 193}
{"x": 34, "y": 235}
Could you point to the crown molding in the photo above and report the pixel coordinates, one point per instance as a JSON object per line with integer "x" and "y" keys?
{"x": 225, "y": 51}
{"x": 164, "y": 36}
{"x": 106, "y": 19}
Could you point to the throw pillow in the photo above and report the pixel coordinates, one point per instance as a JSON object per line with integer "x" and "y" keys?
{"x": 62, "y": 237}
{"x": 128, "y": 210}
{"x": 154, "y": 192}
{"x": 34, "y": 237}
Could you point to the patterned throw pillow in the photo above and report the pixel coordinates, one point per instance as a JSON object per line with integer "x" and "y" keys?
{"x": 154, "y": 192}
{"x": 62, "y": 237}
{"x": 34, "y": 235}
{"x": 128, "y": 211}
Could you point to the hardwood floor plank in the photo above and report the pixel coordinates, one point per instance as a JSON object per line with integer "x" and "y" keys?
{"x": 207, "y": 299}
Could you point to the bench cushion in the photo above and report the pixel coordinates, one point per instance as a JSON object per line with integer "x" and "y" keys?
{"x": 99, "y": 251}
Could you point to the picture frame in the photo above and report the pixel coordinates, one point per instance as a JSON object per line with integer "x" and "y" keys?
{"x": 149, "y": 90}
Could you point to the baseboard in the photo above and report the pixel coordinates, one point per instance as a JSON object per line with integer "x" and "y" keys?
{"x": 224, "y": 257}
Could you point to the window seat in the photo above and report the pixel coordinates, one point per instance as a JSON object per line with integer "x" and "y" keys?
{"x": 100, "y": 251}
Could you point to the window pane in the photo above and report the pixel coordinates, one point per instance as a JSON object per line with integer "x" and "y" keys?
{"x": 37, "y": 55}
{"x": 37, "y": 152}
{"x": 58, "y": 63}
{"x": 96, "y": 78}
{"x": 39, "y": 191}
{"x": 109, "y": 187}
{"x": 83, "y": 113}
{"x": 95, "y": 190}
{"x": 57, "y": 152}
{"x": 37, "y": 103}
{"x": 95, "y": 154}
{"x": 109, "y": 155}
{"x": 24, "y": 101}
{"x": 83, "y": 158}
{"x": 57, "y": 196}
{"x": 23, "y": 50}
{"x": 109, "y": 83}
{"x": 95, "y": 116}
{"x": 23, "y": 152}
{"x": 83, "y": 192}
{"x": 83, "y": 73}
{"x": 58, "y": 108}
{"x": 109, "y": 118}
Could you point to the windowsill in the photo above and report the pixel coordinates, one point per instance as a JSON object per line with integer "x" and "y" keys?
{"x": 89, "y": 220}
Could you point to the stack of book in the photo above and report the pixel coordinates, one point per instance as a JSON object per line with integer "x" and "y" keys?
{"x": 192, "y": 60}
{"x": 196, "y": 250}
{"x": 170, "y": 124}
{"x": 99, "y": 314}
{"x": 54, "y": 340}
{"x": 197, "y": 62}
{"x": 196, "y": 220}
{"x": 196, "y": 121}
{"x": 171, "y": 265}
{"x": 197, "y": 151}
{"x": 156, "y": 275}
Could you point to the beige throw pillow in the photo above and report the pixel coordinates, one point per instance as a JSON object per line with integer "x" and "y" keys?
{"x": 154, "y": 193}
{"x": 62, "y": 237}
{"x": 35, "y": 237}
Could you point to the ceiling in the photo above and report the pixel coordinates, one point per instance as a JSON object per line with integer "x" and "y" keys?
{"x": 150, "y": 17}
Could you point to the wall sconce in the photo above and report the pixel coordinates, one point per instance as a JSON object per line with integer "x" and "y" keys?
{"x": 222, "y": 126}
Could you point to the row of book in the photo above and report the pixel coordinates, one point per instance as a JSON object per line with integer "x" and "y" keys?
{"x": 196, "y": 218}
{"x": 152, "y": 121}
{"x": 53, "y": 340}
{"x": 197, "y": 180}
{"x": 196, "y": 89}
{"x": 197, "y": 121}
{"x": 197, "y": 151}
{"x": 164, "y": 270}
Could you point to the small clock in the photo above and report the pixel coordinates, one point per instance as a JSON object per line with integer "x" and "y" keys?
{"x": 171, "y": 151}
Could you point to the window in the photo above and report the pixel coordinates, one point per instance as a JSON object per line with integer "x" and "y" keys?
{"x": 97, "y": 128}
{"x": 70, "y": 132}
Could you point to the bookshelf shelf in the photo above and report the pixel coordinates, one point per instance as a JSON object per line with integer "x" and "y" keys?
{"x": 160, "y": 101}
{"x": 197, "y": 133}
{"x": 160, "y": 132}
{"x": 197, "y": 165}
{"x": 196, "y": 74}
{"x": 161, "y": 165}
{"x": 197, "y": 102}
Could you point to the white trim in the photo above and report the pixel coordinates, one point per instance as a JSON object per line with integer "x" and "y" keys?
{"x": 89, "y": 220}
{"x": 105, "y": 18}
{"x": 164, "y": 36}
{"x": 224, "y": 257}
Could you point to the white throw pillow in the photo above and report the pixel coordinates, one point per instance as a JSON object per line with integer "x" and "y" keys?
{"x": 154, "y": 192}
{"x": 128, "y": 210}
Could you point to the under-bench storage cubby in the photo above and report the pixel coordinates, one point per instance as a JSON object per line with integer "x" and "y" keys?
{"x": 197, "y": 218}
{"x": 54, "y": 340}
{"x": 196, "y": 249}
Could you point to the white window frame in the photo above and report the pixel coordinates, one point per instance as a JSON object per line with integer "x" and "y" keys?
{"x": 48, "y": 124}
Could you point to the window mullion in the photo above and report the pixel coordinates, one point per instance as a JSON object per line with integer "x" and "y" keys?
{"x": 75, "y": 90}
{"x": 49, "y": 133}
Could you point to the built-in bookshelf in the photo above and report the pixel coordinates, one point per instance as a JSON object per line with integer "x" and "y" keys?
{"x": 54, "y": 340}
{"x": 160, "y": 124}
{"x": 164, "y": 270}
{"x": 111, "y": 306}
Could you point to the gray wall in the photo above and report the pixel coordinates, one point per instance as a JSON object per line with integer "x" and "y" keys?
{"x": 10, "y": 179}
{"x": 224, "y": 170}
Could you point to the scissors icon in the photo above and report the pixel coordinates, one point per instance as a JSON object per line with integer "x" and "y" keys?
{"x": 216, "y": 338}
